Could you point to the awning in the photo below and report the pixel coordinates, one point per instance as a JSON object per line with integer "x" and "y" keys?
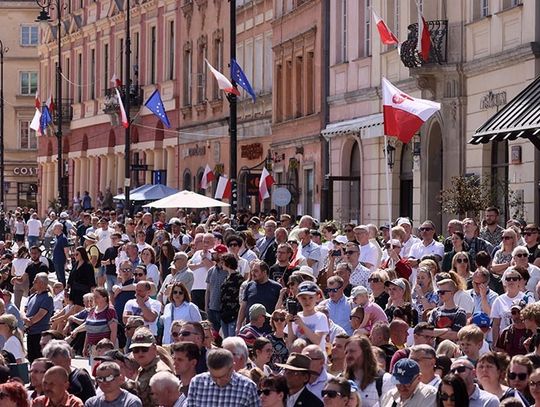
{"x": 518, "y": 118}
{"x": 367, "y": 127}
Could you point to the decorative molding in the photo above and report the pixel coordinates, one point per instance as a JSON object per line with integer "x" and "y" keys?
{"x": 187, "y": 10}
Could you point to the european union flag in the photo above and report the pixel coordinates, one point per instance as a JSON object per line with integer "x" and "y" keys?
{"x": 45, "y": 119}
{"x": 240, "y": 78}
{"x": 155, "y": 105}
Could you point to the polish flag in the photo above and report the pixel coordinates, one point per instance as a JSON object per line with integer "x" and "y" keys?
{"x": 123, "y": 115}
{"x": 223, "y": 83}
{"x": 387, "y": 36}
{"x": 403, "y": 114}
{"x": 424, "y": 40}
{"x": 50, "y": 104}
{"x": 265, "y": 183}
{"x": 37, "y": 101}
{"x": 224, "y": 188}
{"x": 207, "y": 177}
{"x": 116, "y": 80}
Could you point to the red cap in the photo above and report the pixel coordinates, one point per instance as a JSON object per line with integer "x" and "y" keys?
{"x": 221, "y": 249}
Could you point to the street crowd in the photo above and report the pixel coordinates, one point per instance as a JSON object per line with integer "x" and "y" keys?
{"x": 206, "y": 309}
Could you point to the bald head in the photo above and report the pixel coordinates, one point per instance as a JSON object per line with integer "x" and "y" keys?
{"x": 57, "y": 373}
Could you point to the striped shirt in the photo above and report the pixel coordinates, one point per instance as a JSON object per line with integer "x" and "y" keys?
{"x": 97, "y": 324}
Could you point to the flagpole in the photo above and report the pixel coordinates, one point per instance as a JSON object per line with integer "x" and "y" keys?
{"x": 233, "y": 114}
{"x": 388, "y": 195}
{"x": 127, "y": 147}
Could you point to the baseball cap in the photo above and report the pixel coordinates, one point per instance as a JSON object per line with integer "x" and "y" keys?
{"x": 394, "y": 243}
{"x": 64, "y": 215}
{"x": 341, "y": 239}
{"x": 385, "y": 226}
{"x": 481, "y": 320}
{"x": 174, "y": 220}
{"x": 220, "y": 248}
{"x": 519, "y": 305}
{"x": 405, "y": 370}
{"x": 307, "y": 287}
{"x": 142, "y": 339}
{"x": 397, "y": 282}
{"x": 404, "y": 221}
{"x": 256, "y": 310}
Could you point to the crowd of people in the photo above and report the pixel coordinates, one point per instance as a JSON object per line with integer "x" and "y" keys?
{"x": 207, "y": 309}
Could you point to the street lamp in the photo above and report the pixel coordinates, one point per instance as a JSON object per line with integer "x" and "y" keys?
{"x": 389, "y": 151}
{"x": 3, "y": 50}
{"x": 44, "y": 17}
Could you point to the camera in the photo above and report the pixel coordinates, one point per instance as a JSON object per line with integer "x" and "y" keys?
{"x": 336, "y": 253}
{"x": 292, "y": 307}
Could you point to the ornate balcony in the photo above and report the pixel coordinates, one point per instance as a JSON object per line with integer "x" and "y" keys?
{"x": 67, "y": 111}
{"x": 111, "y": 101}
{"x": 438, "y": 30}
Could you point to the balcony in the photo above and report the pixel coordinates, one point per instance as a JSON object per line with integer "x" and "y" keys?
{"x": 438, "y": 30}
{"x": 111, "y": 101}
{"x": 67, "y": 111}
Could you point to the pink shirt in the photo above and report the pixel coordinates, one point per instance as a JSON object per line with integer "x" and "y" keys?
{"x": 376, "y": 313}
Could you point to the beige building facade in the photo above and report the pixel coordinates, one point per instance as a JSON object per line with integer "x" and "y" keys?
{"x": 20, "y": 36}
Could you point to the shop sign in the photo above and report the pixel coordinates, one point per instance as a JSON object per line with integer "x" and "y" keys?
{"x": 194, "y": 151}
{"x": 252, "y": 151}
{"x": 281, "y": 196}
{"x": 24, "y": 171}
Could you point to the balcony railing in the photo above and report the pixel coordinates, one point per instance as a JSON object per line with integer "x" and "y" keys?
{"x": 67, "y": 111}
{"x": 438, "y": 31}
{"x": 111, "y": 101}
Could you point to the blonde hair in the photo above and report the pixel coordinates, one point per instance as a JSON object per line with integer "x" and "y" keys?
{"x": 470, "y": 333}
{"x": 448, "y": 348}
{"x": 13, "y": 325}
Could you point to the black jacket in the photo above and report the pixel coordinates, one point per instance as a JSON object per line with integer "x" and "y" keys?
{"x": 308, "y": 399}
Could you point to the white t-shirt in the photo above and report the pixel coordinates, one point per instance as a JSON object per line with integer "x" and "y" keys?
{"x": 152, "y": 273}
{"x": 13, "y": 346}
{"x": 34, "y": 225}
{"x": 369, "y": 254}
{"x": 199, "y": 274}
{"x": 534, "y": 273}
{"x": 132, "y": 308}
{"x": 243, "y": 266}
{"x": 501, "y": 308}
{"x": 104, "y": 239}
{"x": 317, "y": 322}
{"x": 19, "y": 266}
{"x": 406, "y": 246}
{"x": 464, "y": 300}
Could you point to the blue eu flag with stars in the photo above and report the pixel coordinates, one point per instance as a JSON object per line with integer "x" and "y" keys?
{"x": 155, "y": 105}
{"x": 240, "y": 78}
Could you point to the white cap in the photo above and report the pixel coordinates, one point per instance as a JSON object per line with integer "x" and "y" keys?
{"x": 404, "y": 221}
{"x": 341, "y": 239}
{"x": 358, "y": 290}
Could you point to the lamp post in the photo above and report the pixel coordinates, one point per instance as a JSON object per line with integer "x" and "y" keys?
{"x": 44, "y": 16}
{"x": 127, "y": 149}
{"x": 3, "y": 50}
{"x": 233, "y": 114}
{"x": 389, "y": 152}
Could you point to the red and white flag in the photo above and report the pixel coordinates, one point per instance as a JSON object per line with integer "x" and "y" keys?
{"x": 207, "y": 177}
{"x": 224, "y": 188}
{"x": 116, "y": 80}
{"x": 37, "y": 101}
{"x": 223, "y": 83}
{"x": 123, "y": 115}
{"x": 403, "y": 114}
{"x": 50, "y": 104}
{"x": 265, "y": 183}
{"x": 387, "y": 36}
{"x": 424, "y": 40}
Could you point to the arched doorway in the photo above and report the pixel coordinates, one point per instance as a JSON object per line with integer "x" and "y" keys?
{"x": 434, "y": 177}
{"x": 187, "y": 180}
{"x": 406, "y": 182}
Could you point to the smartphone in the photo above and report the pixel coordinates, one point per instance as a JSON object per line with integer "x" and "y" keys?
{"x": 292, "y": 307}
{"x": 336, "y": 253}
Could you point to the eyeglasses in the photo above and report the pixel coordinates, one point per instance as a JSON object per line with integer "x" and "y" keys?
{"x": 374, "y": 280}
{"x": 187, "y": 333}
{"x": 180, "y": 292}
{"x": 534, "y": 384}
{"x": 278, "y": 319}
{"x": 137, "y": 350}
{"x": 232, "y": 245}
{"x": 462, "y": 260}
{"x": 351, "y": 252}
{"x": 138, "y": 274}
{"x": 331, "y": 394}
{"x": 425, "y": 229}
{"x": 109, "y": 378}
{"x": 446, "y": 397}
{"x": 519, "y": 376}
{"x": 266, "y": 392}
{"x": 508, "y": 237}
{"x": 460, "y": 369}
{"x": 442, "y": 292}
{"x": 348, "y": 230}
{"x": 521, "y": 255}
{"x": 391, "y": 246}
{"x": 513, "y": 278}
{"x": 333, "y": 290}
{"x": 175, "y": 334}
{"x": 530, "y": 233}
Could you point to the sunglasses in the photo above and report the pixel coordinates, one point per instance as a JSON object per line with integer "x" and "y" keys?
{"x": 137, "y": 350}
{"x": 125, "y": 270}
{"x": 351, "y": 252}
{"x": 424, "y": 229}
{"x": 442, "y": 292}
{"x": 175, "y": 334}
{"x": 374, "y": 280}
{"x": 513, "y": 278}
{"x": 521, "y": 255}
{"x": 463, "y": 260}
{"x": 534, "y": 384}
{"x": 138, "y": 274}
{"x": 530, "y": 233}
{"x": 460, "y": 369}
{"x": 388, "y": 246}
{"x": 507, "y": 237}
{"x": 348, "y": 230}
{"x": 446, "y": 397}
{"x": 187, "y": 333}
{"x": 178, "y": 292}
{"x": 519, "y": 376}
{"x": 278, "y": 319}
{"x": 106, "y": 379}
{"x": 331, "y": 394}
{"x": 333, "y": 290}
{"x": 266, "y": 392}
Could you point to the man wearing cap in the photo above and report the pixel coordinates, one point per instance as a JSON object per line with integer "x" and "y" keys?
{"x": 257, "y": 320}
{"x": 409, "y": 390}
{"x": 297, "y": 372}
{"x": 143, "y": 346}
{"x": 512, "y": 337}
{"x": 477, "y": 397}
{"x": 530, "y": 235}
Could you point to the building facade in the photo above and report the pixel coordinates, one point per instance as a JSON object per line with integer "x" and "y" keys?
{"x": 20, "y": 37}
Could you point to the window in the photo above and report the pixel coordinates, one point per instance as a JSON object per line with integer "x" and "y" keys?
{"x": 29, "y": 35}
{"x": 367, "y": 29}
{"x": 267, "y": 66}
{"x": 92, "y": 74}
{"x": 79, "y": 78}
{"x": 480, "y": 9}
{"x": 484, "y": 8}
{"x": 308, "y": 187}
{"x": 29, "y": 83}
{"x": 170, "y": 67}
{"x": 120, "y": 58}
{"x": 26, "y": 195}
{"x": 218, "y": 64}
{"x": 201, "y": 70}
{"x": 153, "y": 59}
{"x": 341, "y": 47}
{"x": 106, "y": 77}
{"x": 511, "y": 3}
{"x": 27, "y": 136}
{"x": 187, "y": 75}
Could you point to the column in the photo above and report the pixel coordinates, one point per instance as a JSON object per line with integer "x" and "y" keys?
{"x": 172, "y": 176}
{"x": 104, "y": 175}
{"x": 93, "y": 184}
{"x": 120, "y": 176}
{"x": 76, "y": 176}
{"x": 111, "y": 175}
{"x": 51, "y": 182}
{"x": 150, "y": 160}
{"x": 84, "y": 175}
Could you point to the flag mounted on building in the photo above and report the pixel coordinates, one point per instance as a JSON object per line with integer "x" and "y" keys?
{"x": 265, "y": 183}
{"x": 37, "y": 102}
{"x": 45, "y": 121}
{"x": 155, "y": 105}
{"x": 224, "y": 188}
{"x": 403, "y": 114}
{"x": 123, "y": 115}
{"x": 424, "y": 40}
{"x": 50, "y": 104}
{"x": 387, "y": 36}
{"x": 240, "y": 78}
{"x": 36, "y": 122}
{"x": 207, "y": 177}
{"x": 116, "y": 81}
{"x": 223, "y": 83}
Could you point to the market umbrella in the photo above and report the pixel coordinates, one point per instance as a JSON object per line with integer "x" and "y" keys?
{"x": 186, "y": 199}
{"x": 121, "y": 197}
{"x": 149, "y": 192}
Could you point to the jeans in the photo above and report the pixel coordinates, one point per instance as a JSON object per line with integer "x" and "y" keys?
{"x": 60, "y": 272}
{"x": 228, "y": 328}
{"x": 33, "y": 241}
{"x": 215, "y": 318}
{"x": 111, "y": 280}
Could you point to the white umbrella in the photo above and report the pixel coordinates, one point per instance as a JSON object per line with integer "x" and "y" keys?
{"x": 186, "y": 199}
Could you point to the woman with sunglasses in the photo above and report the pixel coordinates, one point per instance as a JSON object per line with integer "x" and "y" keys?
{"x": 518, "y": 373}
{"x": 400, "y": 298}
{"x": 491, "y": 371}
{"x": 273, "y": 391}
{"x": 502, "y": 259}
{"x": 280, "y": 353}
{"x": 520, "y": 258}
{"x": 82, "y": 279}
{"x": 178, "y": 308}
{"x": 337, "y": 393}
{"x": 461, "y": 264}
{"x": 452, "y": 392}
{"x": 379, "y": 294}
{"x": 458, "y": 245}
{"x": 462, "y": 298}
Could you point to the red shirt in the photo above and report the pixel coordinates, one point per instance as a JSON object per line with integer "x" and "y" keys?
{"x": 69, "y": 400}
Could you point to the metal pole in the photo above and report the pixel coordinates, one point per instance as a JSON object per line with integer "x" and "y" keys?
{"x": 62, "y": 200}
{"x": 2, "y": 125}
{"x": 127, "y": 152}
{"x": 233, "y": 115}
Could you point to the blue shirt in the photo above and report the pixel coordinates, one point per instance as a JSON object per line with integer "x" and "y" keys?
{"x": 59, "y": 256}
{"x": 121, "y": 299}
{"x": 35, "y": 303}
{"x": 491, "y": 296}
{"x": 481, "y": 398}
{"x": 340, "y": 313}
{"x": 239, "y": 392}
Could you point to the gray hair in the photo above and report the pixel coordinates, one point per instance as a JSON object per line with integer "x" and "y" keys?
{"x": 179, "y": 255}
{"x": 426, "y": 349}
{"x": 56, "y": 348}
{"x": 520, "y": 249}
{"x": 165, "y": 381}
{"x": 43, "y": 277}
{"x": 112, "y": 366}
{"x": 219, "y": 358}
{"x": 238, "y": 344}
{"x": 88, "y": 297}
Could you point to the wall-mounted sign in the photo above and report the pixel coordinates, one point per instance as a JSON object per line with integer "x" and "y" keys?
{"x": 194, "y": 151}
{"x": 24, "y": 171}
{"x": 490, "y": 100}
{"x": 252, "y": 151}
